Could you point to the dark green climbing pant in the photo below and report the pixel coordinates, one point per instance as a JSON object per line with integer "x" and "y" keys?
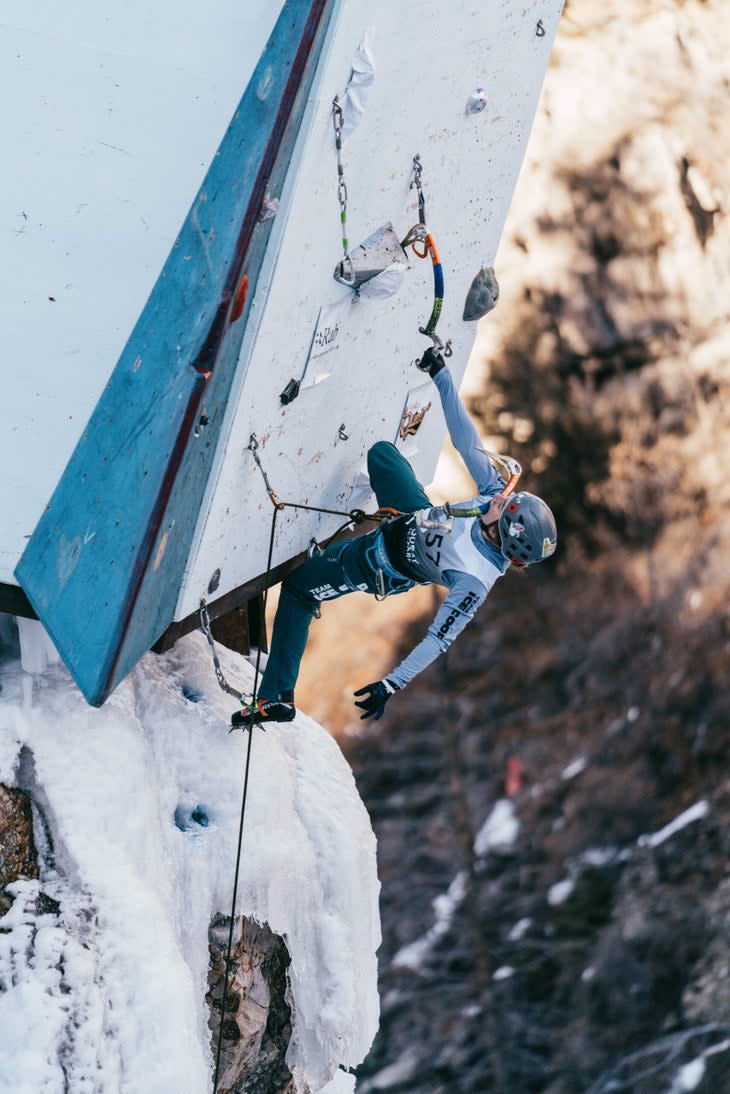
{"x": 343, "y": 568}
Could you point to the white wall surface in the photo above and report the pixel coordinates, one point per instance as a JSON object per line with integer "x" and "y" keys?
{"x": 110, "y": 115}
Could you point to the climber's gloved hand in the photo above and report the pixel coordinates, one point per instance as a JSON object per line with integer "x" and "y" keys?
{"x": 375, "y": 697}
{"x": 431, "y": 362}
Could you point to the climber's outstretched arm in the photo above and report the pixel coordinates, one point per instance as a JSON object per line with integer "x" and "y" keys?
{"x": 465, "y": 438}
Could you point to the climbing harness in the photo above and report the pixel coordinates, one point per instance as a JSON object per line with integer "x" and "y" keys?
{"x": 419, "y": 234}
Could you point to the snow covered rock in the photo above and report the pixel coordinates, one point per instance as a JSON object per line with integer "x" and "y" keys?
{"x": 136, "y": 822}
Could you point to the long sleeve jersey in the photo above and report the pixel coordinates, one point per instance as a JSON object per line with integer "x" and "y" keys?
{"x": 458, "y": 557}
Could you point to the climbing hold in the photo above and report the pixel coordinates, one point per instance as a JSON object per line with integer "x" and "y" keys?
{"x": 191, "y": 694}
{"x": 239, "y": 300}
{"x": 476, "y": 101}
{"x": 482, "y": 296}
{"x": 290, "y": 392}
{"x": 186, "y": 818}
{"x": 269, "y": 208}
{"x": 379, "y": 253}
{"x": 265, "y": 84}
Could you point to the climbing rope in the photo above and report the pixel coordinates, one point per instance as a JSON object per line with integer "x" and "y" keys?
{"x": 247, "y": 769}
{"x": 419, "y": 234}
{"x": 354, "y": 516}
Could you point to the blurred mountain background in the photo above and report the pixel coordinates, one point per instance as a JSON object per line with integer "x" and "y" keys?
{"x": 589, "y": 699}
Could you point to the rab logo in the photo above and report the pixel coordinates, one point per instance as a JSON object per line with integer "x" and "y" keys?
{"x": 548, "y": 547}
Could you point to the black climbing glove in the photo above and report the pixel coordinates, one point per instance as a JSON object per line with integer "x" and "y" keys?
{"x": 376, "y": 696}
{"x": 431, "y": 362}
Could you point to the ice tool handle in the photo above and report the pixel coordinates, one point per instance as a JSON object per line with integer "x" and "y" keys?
{"x": 419, "y": 234}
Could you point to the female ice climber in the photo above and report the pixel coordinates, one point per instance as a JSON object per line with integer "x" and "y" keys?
{"x": 423, "y": 545}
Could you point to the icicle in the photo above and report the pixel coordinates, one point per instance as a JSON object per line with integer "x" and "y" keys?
{"x": 36, "y": 649}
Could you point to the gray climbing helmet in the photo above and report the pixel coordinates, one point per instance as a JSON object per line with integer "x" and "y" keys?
{"x": 527, "y": 529}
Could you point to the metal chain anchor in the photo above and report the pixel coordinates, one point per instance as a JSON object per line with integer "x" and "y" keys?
{"x": 346, "y": 264}
{"x": 417, "y": 167}
{"x": 253, "y": 447}
{"x": 205, "y": 628}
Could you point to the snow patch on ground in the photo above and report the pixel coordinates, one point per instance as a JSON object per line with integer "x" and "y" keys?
{"x": 696, "y": 812}
{"x": 499, "y": 831}
{"x": 504, "y": 972}
{"x": 575, "y": 768}
{"x": 415, "y": 953}
{"x": 560, "y": 892}
{"x": 689, "y": 1077}
{"x": 519, "y": 930}
{"x": 109, "y": 994}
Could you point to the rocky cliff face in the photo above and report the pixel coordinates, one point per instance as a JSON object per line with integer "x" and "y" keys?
{"x": 591, "y": 953}
{"x": 257, "y": 1017}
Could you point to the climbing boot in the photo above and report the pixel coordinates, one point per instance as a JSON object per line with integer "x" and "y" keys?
{"x": 264, "y": 711}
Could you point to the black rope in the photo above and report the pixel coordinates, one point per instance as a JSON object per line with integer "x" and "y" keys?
{"x": 243, "y": 814}
{"x": 355, "y": 515}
